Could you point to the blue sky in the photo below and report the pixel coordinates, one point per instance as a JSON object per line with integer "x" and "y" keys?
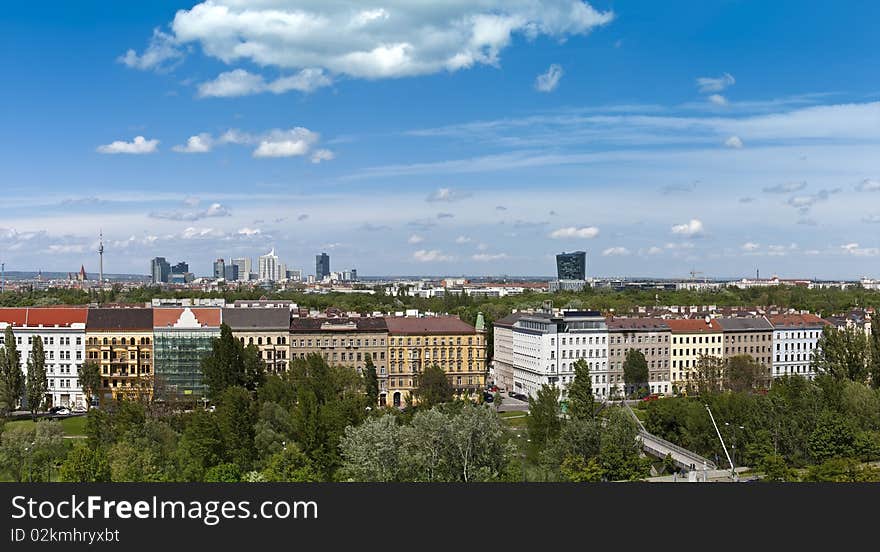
{"x": 444, "y": 138}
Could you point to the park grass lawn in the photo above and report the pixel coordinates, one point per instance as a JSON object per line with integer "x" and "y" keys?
{"x": 514, "y": 420}
{"x": 73, "y": 426}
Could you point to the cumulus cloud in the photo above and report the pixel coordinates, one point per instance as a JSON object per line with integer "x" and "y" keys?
{"x": 692, "y": 228}
{"x": 425, "y": 256}
{"x": 547, "y": 82}
{"x": 322, "y": 155}
{"x": 162, "y": 53}
{"x": 401, "y": 38}
{"x": 201, "y": 143}
{"x": 586, "y": 232}
{"x": 194, "y": 214}
{"x": 415, "y": 238}
{"x": 869, "y": 185}
{"x": 615, "y": 252}
{"x": 734, "y": 142}
{"x": 447, "y": 195}
{"x": 138, "y": 146}
{"x": 286, "y": 143}
{"x": 715, "y": 84}
{"x": 239, "y": 82}
{"x": 487, "y": 257}
{"x": 787, "y": 188}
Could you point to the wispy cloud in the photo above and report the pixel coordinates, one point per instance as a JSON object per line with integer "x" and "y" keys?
{"x": 715, "y": 84}
{"x": 430, "y": 256}
{"x": 585, "y": 232}
{"x": 548, "y": 81}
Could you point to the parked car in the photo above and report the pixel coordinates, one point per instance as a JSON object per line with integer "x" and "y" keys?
{"x": 62, "y": 411}
{"x": 651, "y": 397}
{"x": 488, "y": 397}
{"x": 521, "y": 397}
{"x": 511, "y": 393}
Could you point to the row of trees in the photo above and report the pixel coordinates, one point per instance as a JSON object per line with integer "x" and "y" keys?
{"x": 16, "y": 388}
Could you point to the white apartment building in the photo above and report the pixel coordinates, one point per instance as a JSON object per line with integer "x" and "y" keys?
{"x": 271, "y": 268}
{"x": 795, "y": 337}
{"x": 63, "y": 331}
{"x": 547, "y": 346}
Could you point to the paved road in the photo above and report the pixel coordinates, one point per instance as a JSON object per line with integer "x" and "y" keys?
{"x": 509, "y": 404}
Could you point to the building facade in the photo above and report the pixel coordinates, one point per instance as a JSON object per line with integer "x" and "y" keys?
{"x": 795, "y": 338}
{"x": 244, "y": 268}
{"x": 182, "y": 338}
{"x": 652, "y": 337}
{"x": 571, "y": 266}
{"x": 160, "y": 270}
{"x": 219, "y": 269}
{"x": 691, "y": 340}
{"x": 322, "y": 266}
{"x": 752, "y": 336}
{"x": 415, "y": 343}
{"x": 63, "y": 332}
{"x": 501, "y": 366}
{"x": 344, "y": 342}
{"x": 120, "y": 342}
{"x": 268, "y": 329}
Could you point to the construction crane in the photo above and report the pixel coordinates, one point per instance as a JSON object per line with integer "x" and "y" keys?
{"x": 693, "y": 274}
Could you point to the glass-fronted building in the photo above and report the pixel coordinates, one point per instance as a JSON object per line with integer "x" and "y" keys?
{"x": 571, "y": 266}
{"x": 182, "y": 338}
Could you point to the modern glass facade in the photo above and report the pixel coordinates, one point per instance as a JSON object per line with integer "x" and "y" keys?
{"x": 178, "y": 357}
{"x": 322, "y": 266}
{"x": 572, "y": 266}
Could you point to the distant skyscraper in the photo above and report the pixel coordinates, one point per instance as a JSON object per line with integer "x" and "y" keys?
{"x": 231, "y": 273}
{"x": 571, "y": 266}
{"x": 219, "y": 269}
{"x": 160, "y": 270}
{"x": 295, "y": 275}
{"x": 245, "y": 267}
{"x": 354, "y": 275}
{"x": 180, "y": 268}
{"x": 268, "y": 266}
{"x": 322, "y": 266}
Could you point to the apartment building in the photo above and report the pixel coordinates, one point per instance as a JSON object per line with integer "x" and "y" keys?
{"x": 691, "y": 339}
{"x": 182, "y": 338}
{"x": 120, "y": 342}
{"x": 795, "y": 337}
{"x": 415, "y": 343}
{"x": 343, "y": 342}
{"x": 652, "y": 337}
{"x": 752, "y": 336}
{"x": 268, "y": 329}
{"x": 63, "y": 331}
{"x": 501, "y": 366}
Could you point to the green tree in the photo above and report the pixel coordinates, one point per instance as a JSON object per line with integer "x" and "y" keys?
{"x": 842, "y": 354}
{"x": 580, "y": 392}
{"x": 543, "y": 420}
{"x": 85, "y": 465}
{"x": 273, "y": 430}
{"x": 223, "y": 473}
{"x": 478, "y": 448}
{"x": 433, "y": 387}
{"x": 235, "y": 414}
{"x": 742, "y": 373}
{"x": 635, "y": 371}
{"x": 231, "y": 364}
{"x": 371, "y": 381}
{"x": 290, "y": 464}
{"x": 372, "y": 451}
{"x": 200, "y": 447}
{"x": 27, "y": 453}
{"x": 708, "y": 372}
{"x": 578, "y": 470}
{"x": 90, "y": 378}
{"x": 874, "y": 350}
{"x": 620, "y": 451}
{"x": 37, "y": 382}
{"x": 775, "y": 469}
{"x": 11, "y": 374}
{"x": 833, "y": 437}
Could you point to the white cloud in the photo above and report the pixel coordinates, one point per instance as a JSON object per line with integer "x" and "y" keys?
{"x": 869, "y": 185}
{"x": 60, "y": 249}
{"x": 462, "y": 240}
{"x": 715, "y": 84}
{"x": 734, "y": 142}
{"x": 212, "y": 211}
{"x": 447, "y": 195}
{"x": 717, "y": 99}
{"x": 193, "y": 233}
{"x": 163, "y": 48}
{"x": 322, "y": 155}
{"x": 286, "y": 143}
{"x": 239, "y": 82}
{"x": 750, "y": 246}
{"x": 654, "y": 250}
{"x": 786, "y": 188}
{"x": 587, "y": 232}
{"x": 615, "y": 252}
{"x": 488, "y": 257}
{"x": 249, "y": 232}
{"x": 401, "y": 38}
{"x": 139, "y": 145}
{"x": 855, "y": 249}
{"x": 547, "y": 82}
{"x": 415, "y": 238}
{"x": 692, "y": 228}
{"x": 201, "y": 143}
{"x": 804, "y": 202}
{"x": 424, "y": 256}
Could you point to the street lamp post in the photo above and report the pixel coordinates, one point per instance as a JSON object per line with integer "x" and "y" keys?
{"x": 720, "y": 438}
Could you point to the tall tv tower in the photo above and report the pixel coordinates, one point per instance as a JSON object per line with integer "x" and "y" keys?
{"x": 101, "y": 258}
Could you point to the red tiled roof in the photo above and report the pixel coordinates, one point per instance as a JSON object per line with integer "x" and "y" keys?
{"x": 691, "y": 325}
{"x": 45, "y": 316}
{"x": 797, "y": 320}
{"x": 410, "y": 325}
{"x": 166, "y": 317}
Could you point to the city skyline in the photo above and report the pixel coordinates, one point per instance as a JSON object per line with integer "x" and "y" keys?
{"x": 657, "y": 140}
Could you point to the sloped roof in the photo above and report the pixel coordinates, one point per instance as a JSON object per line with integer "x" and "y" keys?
{"x": 206, "y": 317}
{"x": 120, "y": 319}
{"x": 637, "y": 324}
{"x": 693, "y": 325}
{"x": 509, "y": 320}
{"x": 745, "y": 324}
{"x": 242, "y": 318}
{"x": 45, "y": 316}
{"x": 411, "y": 325}
{"x": 797, "y": 321}
{"x": 317, "y": 325}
